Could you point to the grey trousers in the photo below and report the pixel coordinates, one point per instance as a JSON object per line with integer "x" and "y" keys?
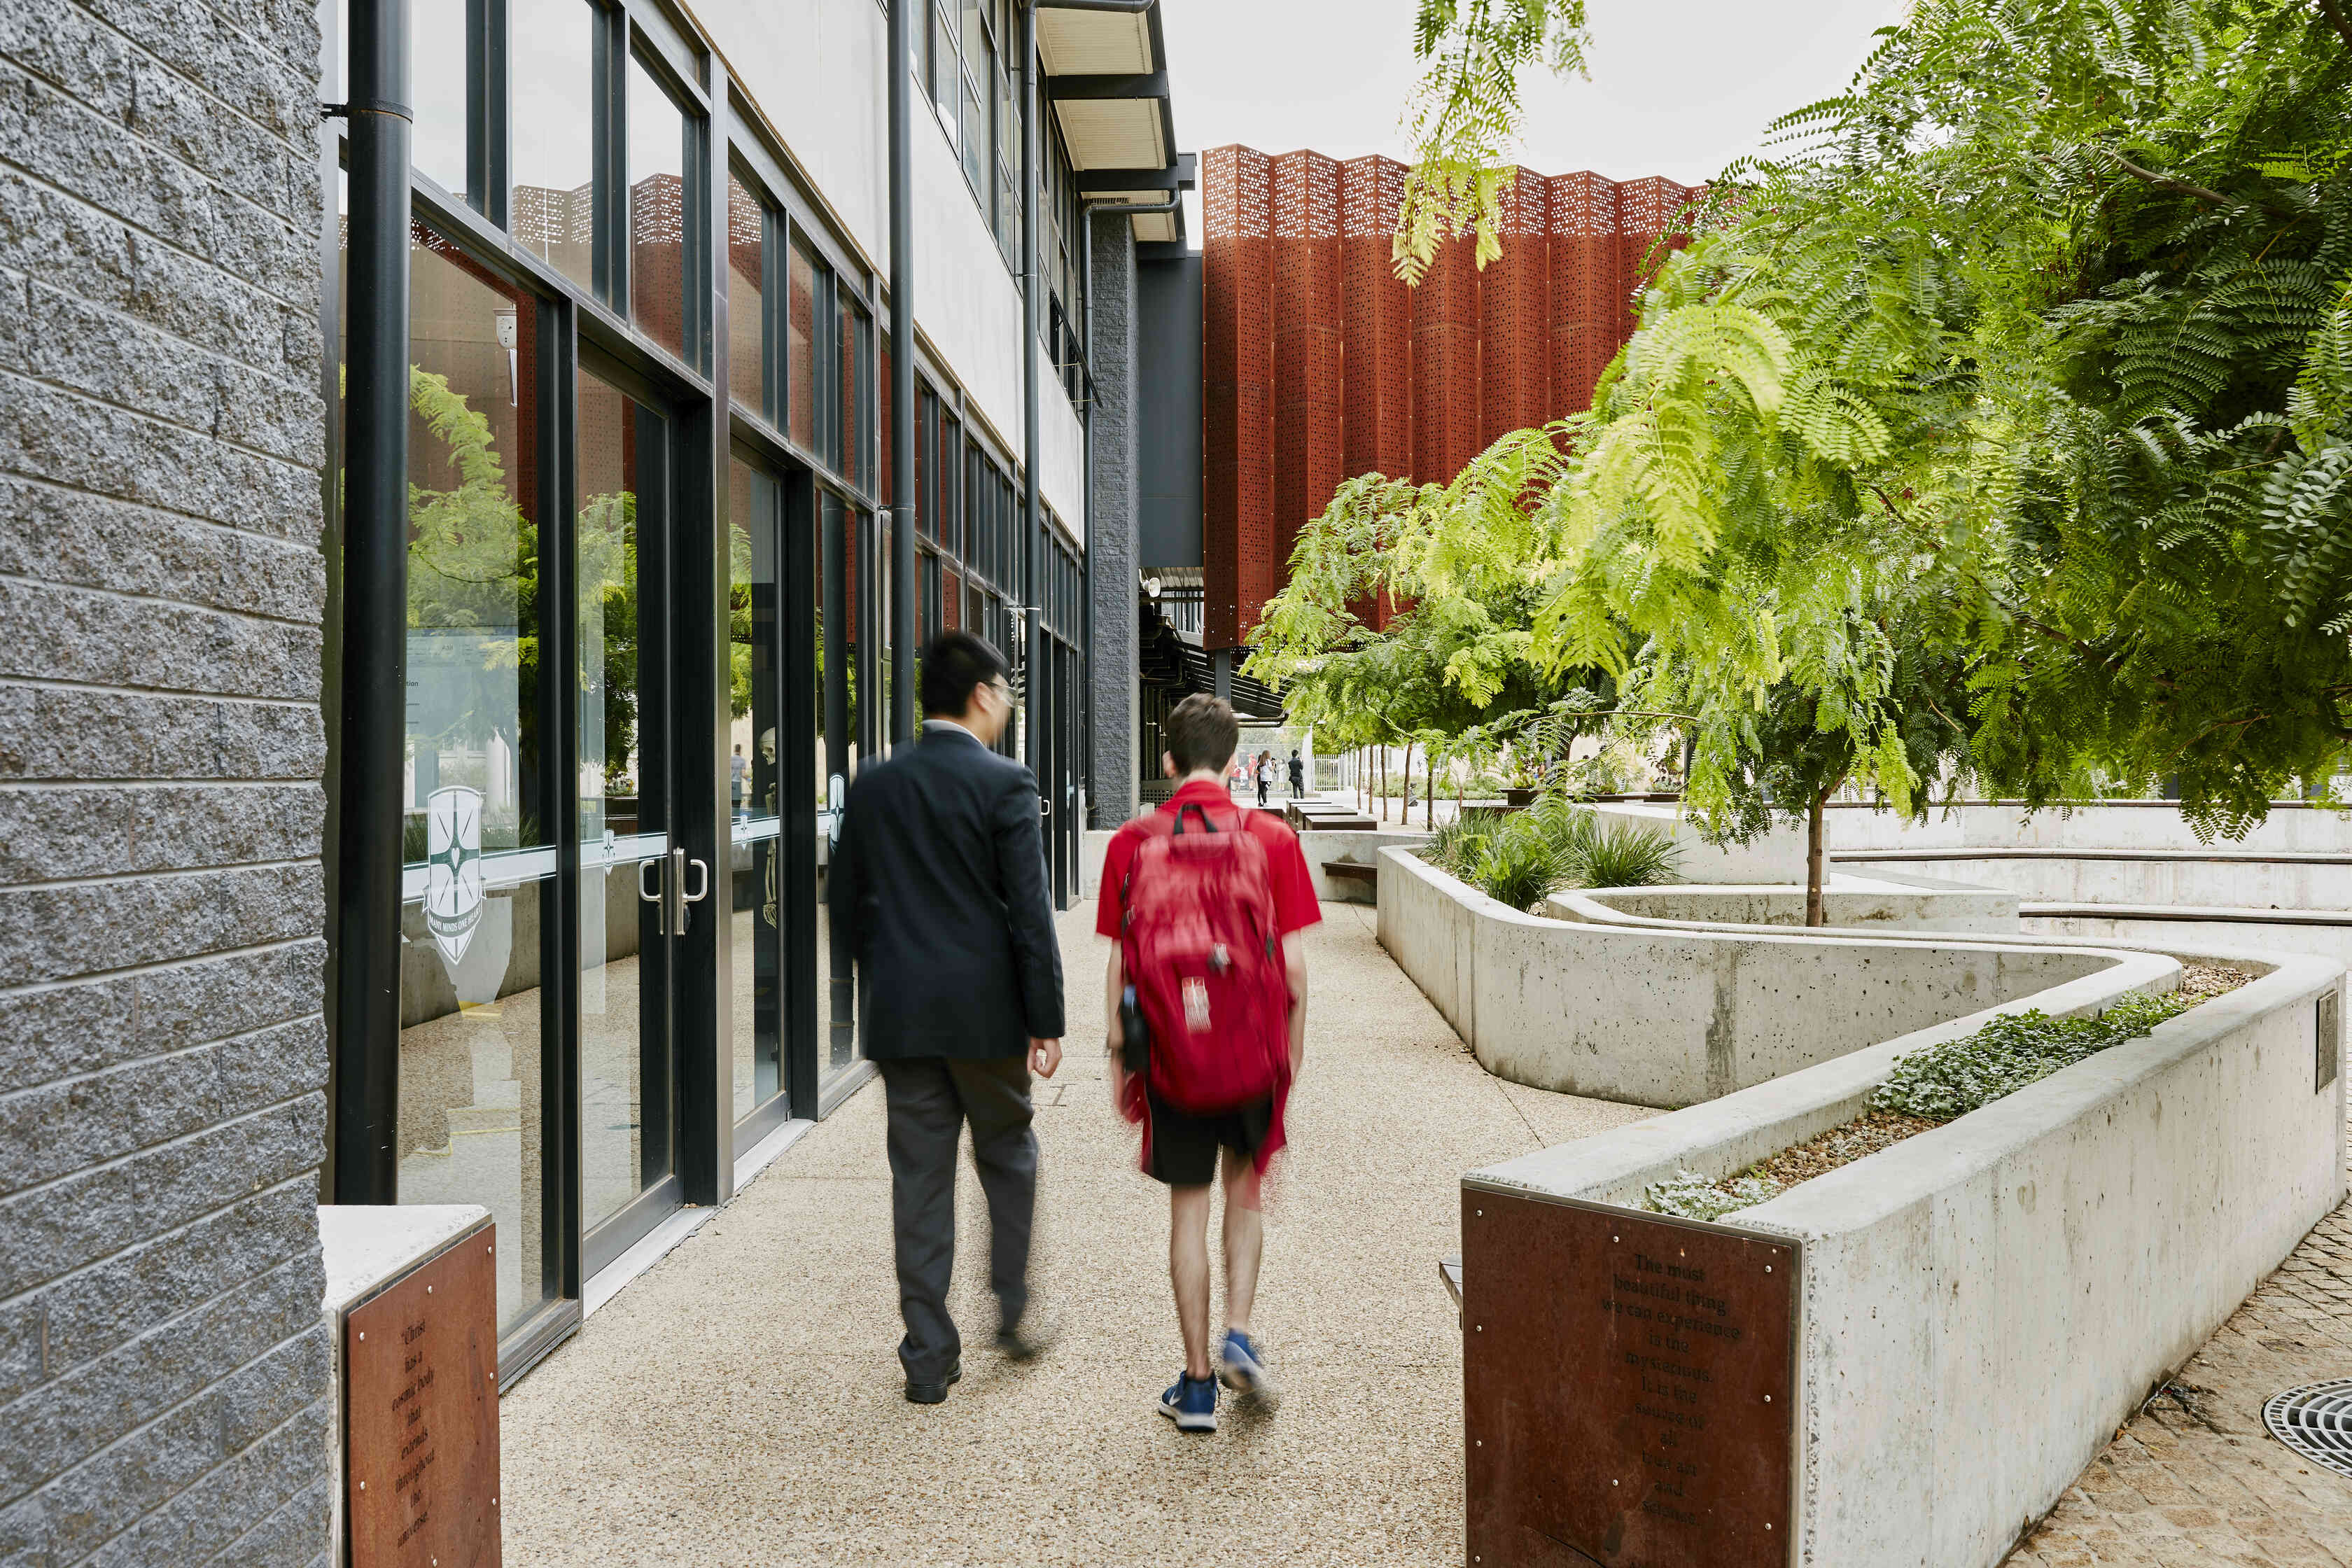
{"x": 929, "y": 1100}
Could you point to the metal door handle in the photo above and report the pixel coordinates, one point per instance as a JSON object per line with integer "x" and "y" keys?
{"x": 701, "y": 880}
{"x": 653, "y": 897}
{"x": 1044, "y": 806}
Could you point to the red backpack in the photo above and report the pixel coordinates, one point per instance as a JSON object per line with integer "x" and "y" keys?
{"x": 1205, "y": 960}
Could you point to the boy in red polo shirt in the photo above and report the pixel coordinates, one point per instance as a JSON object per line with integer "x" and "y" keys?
{"x": 1180, "y": 1147}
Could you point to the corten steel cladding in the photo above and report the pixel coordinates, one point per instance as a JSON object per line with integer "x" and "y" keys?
{"x": 1628, "y": 1387}
{"x": 421, "y": 1415}
{"x": 1236, "y": 396}
{"x": 1304, "y": 203}
{"x": 1319, "y": 364}
{"x": 1514, "y": 310}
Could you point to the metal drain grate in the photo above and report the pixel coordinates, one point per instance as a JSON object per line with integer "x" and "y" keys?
{"x": 2316, "y": 1421}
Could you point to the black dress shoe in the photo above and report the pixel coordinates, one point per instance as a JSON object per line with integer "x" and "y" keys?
{"x": 933, "y": 1393}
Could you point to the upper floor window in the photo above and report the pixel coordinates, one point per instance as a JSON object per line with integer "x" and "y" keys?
{"x": 753, "y": 378}
{"x": 558, "y": 121}
{"x": 808, "y": 285}
{"x": 661, "y": 202}
{"x": 553, "y": 62}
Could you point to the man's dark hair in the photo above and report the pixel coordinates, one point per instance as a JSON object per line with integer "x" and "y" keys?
{"x": 953, "y": 663}
{"x": 1202, "y": 733}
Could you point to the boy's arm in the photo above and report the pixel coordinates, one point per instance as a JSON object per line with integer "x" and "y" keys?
{"x": 1294, "y": 969}
{"x": 1113, "y": 983}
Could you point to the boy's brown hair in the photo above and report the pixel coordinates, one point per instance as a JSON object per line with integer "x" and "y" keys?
{"x": 1201, "y": 733}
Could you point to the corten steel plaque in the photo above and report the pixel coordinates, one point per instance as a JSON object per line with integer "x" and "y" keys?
{"x": 421, "y": 1414}
{"x": 1629, "y": 1388}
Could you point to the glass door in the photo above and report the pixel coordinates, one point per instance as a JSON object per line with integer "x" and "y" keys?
{"x": 637, "y": 884}
{"x": 757, "y": 747}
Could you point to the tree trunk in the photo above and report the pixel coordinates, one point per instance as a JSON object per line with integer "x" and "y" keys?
{"x": 1429, "y": 796}
{"x": 1814, "y": 861}
{"x": 1384, "y": 790}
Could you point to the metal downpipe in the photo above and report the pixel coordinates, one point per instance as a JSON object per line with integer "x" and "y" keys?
{"x": 1031, "y": 512}
{"x": 372, "y": 735}
{"x": 904, "y": 435}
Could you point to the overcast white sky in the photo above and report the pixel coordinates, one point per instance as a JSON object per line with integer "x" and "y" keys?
{"x": 1679, "y": 88}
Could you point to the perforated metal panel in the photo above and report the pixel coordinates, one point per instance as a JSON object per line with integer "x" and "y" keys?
{"x": 1515, "y": 346}
{"x": 1587, "y": 331}
{"x": 1307, "y": 347}
{"x": 1237, "y": 399}
{"x": 1320, "y": 365}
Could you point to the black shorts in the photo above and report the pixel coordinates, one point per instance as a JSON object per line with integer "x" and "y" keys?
{"x": 1184, "y": 1145}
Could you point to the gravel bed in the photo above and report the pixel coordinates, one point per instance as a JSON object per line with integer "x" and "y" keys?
{"x": 1865, "y": 1135}
{"x": 2203, "y": 982}
{"x": 1824, "y": 1153}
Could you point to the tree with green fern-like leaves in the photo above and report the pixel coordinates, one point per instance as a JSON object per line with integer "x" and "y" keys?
{"x": 2028, "y": 358}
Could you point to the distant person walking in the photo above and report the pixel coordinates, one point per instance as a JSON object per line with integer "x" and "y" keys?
{"x": 1298, "y": 775}
{"x": 1206, "y": 995}
{"x": 1265, "y": 777}
{"x": 938, "y": 890}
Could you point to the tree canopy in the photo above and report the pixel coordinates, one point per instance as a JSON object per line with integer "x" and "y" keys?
{"x": 2019, "y": 375}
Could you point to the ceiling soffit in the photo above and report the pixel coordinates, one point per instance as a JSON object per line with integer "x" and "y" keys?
{"x": 1094, "y": 43}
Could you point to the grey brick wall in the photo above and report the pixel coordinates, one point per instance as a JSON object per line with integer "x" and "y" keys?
{"x": 164, "y": 1376}
{"x": 1111, "y": 528}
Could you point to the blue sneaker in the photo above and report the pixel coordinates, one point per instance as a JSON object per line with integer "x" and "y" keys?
{"x": 1240, "y": 1366}
{"x": 1192, "y": 1403}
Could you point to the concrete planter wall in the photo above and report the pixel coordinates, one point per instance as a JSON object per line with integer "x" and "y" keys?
{"x": 1670, "y": 1015}
{"x": 2292, "y": 827}
{"x": 1982, "y": 1305}
{"x": 2217, "y": 878}
{"x": 1890, "y": 903}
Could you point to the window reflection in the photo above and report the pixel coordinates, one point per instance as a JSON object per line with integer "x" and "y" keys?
{"x": 620, "y": 813}
{"x": 438, "y": 79}
{"x": 478, "y": 862}
{"x": 755, "y": 707}
{"x": 657, "y": 211}
{"x": 800, "y": 343}
{"x": 551, "y": 46}
{"x": 849, "y": 446}
{"x": 746, "y": 337}
{"x": 839, "y": 726}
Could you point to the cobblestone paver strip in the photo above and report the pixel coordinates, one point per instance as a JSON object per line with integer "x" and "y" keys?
{"x": 2195, "y": 1478}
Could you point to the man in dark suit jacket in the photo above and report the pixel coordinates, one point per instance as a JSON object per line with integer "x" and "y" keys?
{"x": 938, "y": 888}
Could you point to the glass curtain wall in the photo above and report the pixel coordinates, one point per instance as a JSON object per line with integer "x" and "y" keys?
{"x": 479, "y": 928}
{"x": 755, "y": 779}
{"x": 552, "y": 50}
{"x": 568, "y": 767}
{"x": 622, "y": 805}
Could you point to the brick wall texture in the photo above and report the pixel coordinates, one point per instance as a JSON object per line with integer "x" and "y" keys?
{"x": 163, "y": 1375}
{"x": 1320, "y": 366}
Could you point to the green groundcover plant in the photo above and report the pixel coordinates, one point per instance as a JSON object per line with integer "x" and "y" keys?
{"x": 1947, "y": 1081}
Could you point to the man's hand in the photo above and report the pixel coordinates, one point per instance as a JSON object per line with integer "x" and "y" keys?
{"x": 1045, "y": 1056}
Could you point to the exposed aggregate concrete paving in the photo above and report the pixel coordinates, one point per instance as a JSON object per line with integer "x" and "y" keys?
{"x": 740, "y": 1405}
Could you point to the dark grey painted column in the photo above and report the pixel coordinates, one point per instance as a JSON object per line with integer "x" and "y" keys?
{"x": 1111, "y": 519}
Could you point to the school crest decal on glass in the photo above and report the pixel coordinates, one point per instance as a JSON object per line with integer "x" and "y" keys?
{"x": 453, "y": 854}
